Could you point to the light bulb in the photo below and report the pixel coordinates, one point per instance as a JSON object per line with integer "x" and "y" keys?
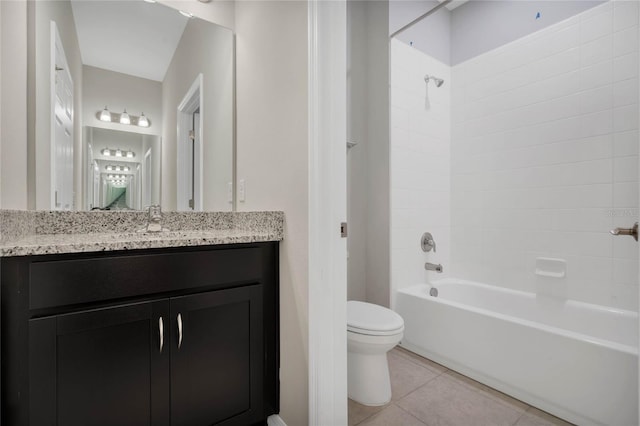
{"x": 106, "y": 152}
{"x": 124, "y": 118}
{"x": 130, "y": 154}
{"x": 142, "y": 121}
{"x": 105, "y": 115}
{"x": 118, "y": 153}
{"x": 109, "y": 168}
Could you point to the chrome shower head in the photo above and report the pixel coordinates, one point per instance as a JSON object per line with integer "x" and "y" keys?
{"x": 438, "y": 81}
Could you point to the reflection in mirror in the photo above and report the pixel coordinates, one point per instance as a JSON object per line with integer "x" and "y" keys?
{"x": 123, "y": 169}
{"x": 125, "y": 75}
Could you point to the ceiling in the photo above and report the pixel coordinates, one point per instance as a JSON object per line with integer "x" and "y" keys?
{"x": 131, "y": 37}
{"x": 454, "y": 3}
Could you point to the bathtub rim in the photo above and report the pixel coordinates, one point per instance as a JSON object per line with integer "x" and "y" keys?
{"x": 620, "y": 347}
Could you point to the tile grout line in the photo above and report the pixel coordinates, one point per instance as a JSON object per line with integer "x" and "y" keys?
{"x": 521, "y": 416}
{"x": 485, "y": 391}
{"x": 411, "y": 414}
{"x": 410, "y": 359}
{"x": 372, "y": 414}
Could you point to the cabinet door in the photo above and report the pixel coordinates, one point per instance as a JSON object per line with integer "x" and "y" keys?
{"x": 217, "y": 358}
{"x": 101, "y": 367}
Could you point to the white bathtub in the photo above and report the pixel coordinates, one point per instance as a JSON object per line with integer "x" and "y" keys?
{"x": 575, "y": 360}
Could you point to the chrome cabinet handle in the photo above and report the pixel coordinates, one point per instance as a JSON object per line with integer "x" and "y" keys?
{"x": 161, "y": 328}
{"x": 627, "y": 231}
{"x": 179, "y": 330}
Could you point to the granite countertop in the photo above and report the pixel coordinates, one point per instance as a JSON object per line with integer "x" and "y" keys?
{"x": 24, "y": 233}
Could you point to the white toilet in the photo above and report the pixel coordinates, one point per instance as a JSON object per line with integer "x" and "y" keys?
{"x": 372, "y": 331}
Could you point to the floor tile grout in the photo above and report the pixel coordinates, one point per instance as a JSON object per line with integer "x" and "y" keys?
{"x": 517, "y": 408}
{"x": 373, "y": 414}
{"x": 425, "y": 424}
{"x": 414, "y": 361}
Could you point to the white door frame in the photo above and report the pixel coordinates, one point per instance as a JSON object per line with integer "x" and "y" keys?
{"x": 327, "y": 209}
{"x": 192, "y": 101}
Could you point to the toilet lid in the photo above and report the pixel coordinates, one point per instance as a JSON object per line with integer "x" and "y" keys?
{"x": 367, "y": 318}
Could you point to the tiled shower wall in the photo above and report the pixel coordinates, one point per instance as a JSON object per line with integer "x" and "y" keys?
{"x": 545, "y": 159}
{"x": 420, "y": 165}
{"x": 527, "y": 151}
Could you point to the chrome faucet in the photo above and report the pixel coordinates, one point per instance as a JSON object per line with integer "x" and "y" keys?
{"x": 433, "y": 267}
{"x": 154, "y": 220}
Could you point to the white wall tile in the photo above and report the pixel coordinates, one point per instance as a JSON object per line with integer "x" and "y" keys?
{"x": 625, "y": 92}
{"x": 625, "y": 67}
{"x": 625, "y": 143}
{"x": 625, "y": 118}
{"x": 625, "y": 169}
{"x": 625, "y": 195}
{"x": 625, "y": 41}
{"x": 595, "y": 27}
{"x": 531, "y": 151}
{"x": 596, "y": 75}
{"x": 625, "y": 14}
{"x": 596, "y": 51}
{"x": 420, "y": 165}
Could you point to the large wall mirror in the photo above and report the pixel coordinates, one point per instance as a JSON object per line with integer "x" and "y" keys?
{"x": 133, "y": 105}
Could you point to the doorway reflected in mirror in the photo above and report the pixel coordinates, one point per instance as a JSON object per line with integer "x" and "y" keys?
{"x": 123, "y": 169}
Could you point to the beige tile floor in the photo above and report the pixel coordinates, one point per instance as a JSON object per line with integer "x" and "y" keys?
{"x": 426, "y": 393}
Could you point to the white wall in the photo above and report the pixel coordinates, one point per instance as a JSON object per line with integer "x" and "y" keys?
{"x": 368, "y": 162}
{"x": 118, "y": 91}
{"x": 420, "y": 165}
{"x": 378, "y": 188}
{"x": 13, "y": 105}
{"x": 272, "y": 153}
{"x": 357, "y": 78}
{"x": 205, "y": 49}
{"x": 545, "y": 145}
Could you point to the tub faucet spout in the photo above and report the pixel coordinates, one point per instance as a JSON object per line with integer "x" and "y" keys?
{"x": 433, "y": 267}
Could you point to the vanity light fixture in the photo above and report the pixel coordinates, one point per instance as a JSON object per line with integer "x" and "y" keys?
{"x": 118, "y": 153}
{"x": 142, "y": 121}
{"x": 105, "y": 115}
{"x": 124, "y": 118}
{"x": 111, "y": 167}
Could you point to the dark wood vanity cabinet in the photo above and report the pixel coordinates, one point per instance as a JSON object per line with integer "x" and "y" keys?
{"x": 156, "y": 337}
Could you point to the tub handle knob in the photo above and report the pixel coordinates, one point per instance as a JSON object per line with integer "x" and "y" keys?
{"x": 627, "y": 231}
{"x": 427, "y": 242}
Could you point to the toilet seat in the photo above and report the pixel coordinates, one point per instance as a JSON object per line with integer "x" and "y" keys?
{"x": 372, "y": 320}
